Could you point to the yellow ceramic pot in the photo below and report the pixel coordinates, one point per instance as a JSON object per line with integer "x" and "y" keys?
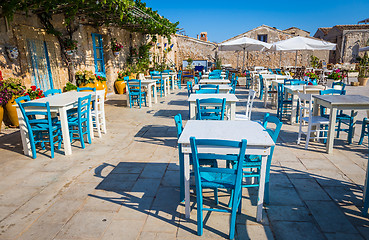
{"x": 1, "y": 116}
{"x": 99, "y": 85}
{"x": 120, "y": 86}
{"x": 91, "y": 85}
{"x": 11, "y": 112}
{"x": 105, "y": 87}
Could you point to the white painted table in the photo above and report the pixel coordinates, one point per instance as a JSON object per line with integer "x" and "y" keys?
{"x": 223, "y": 88}
{"x": 231, "y": 100}
{"x": 59, "y": 103}
{"x": 335, "y": 103}
{"x": 166, "y": 79}
{"x": 151, "y": 91}
{"x": 172, "y": 76}
{"x": 258, "y": 143}
{"x": 293, "y": 90}
{"x": 214, "y": 81}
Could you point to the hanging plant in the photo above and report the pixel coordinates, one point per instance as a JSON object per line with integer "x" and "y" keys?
{"x": 115, "y": 46}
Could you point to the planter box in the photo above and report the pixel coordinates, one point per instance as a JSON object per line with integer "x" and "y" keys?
{"x": 353, "y": 74}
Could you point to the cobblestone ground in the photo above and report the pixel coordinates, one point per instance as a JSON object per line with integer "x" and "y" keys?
{"x": 125, "y": 185}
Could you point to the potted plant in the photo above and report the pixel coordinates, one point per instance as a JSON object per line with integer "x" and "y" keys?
{"x": 34, "y": 93}
{"x": 69, "y": 87}
{"x": 120, "y": 84}
{"x": 16, "y": 89}
{"x": 102, "y": 81}
{"x": 363, "y": 70}
{"x": 5, "y": 95}
{"x": 115, "y": 46}
{"x": 85, "y": 79}
{"x": 337, "y": 75}
{"x": 314, "y": 61}
{"x": 70, "y": 46}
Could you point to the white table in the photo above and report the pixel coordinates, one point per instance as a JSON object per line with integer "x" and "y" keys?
{"x": 59, "y": 103}
{"x": 293, "y": 90}
{"x": 214, "y": 81}
{"x": 231, "y": 100}
{"x": 166, "y": 79}
{"x": 259, "y": 142}
{"x": 223, "y": 88}
{"x": 151, "y": 90}
{"x": 172, "y": 76}
{"x": 335, "y": 103}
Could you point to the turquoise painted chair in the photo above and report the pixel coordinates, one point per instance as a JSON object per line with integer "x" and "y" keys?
{"x": 210, "y": 109}
{"x": 366, "y": 198}
{"x": 41, "y": 127}
{"x": 248, "y": 80}
{"x": 80, "y": 124}
{"x": 189, "y": 88}
{"x": 341, "y": 118}
{"x": 135, "y": 92}
{"x": 294, "y": 82}
{"x": 284, "y": 104}
{"x": 208, "y": 91}
{"x": 216, "y": 177}
{"x": 196, "y": 80}
{"x": 22, "y": 99}
{"x": 52, "y": 92}
{"x": 209, "y": 86}
{"x": 261, "y": 91}
{"x": 340, "y": 84}
{"x": 178, "y": 81}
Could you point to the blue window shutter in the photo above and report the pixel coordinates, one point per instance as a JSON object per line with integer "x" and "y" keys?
{"x": 98, "y": 54}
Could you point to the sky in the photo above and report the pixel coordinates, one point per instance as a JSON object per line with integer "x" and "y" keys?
{"x": 225, "y": 19}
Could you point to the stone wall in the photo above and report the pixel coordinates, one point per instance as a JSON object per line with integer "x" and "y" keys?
{"x": 352, "y": 41}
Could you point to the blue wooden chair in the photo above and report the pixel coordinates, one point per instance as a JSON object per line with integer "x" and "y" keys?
{"x": 80, "y": 123}
{"x": 248, "y": 80}
{"x": 364, "y": 130}
{"x": 189, "y": 88}
{"x": 261, "y": 91}
{"x": 340, "y": 85}
{"x": 86, "y": 89}
{"x": 208, "y": 91}
{"x": 196, "y": 80}
{"x": 227, "y": 74}
{"x": 216, "y": 177}
{"x": 200, "y": 75}
{"x": 284, "y": 104}
{"x": 22, "y": 99}
{"x": 52, "y": 92}
{"x": 210, "y": 109}
{"x": 278, "y": 71}
{"x": 270, "y": 70}
{"x": 136, "y": 95}
{"x": 208, "y": 86}
{"x": 294, "y": 82}
{"x": 160, "y": 85}
{"x": 178, "y": 81}
{"x": 41, "y": 127}
{"x": 341, "y": 117}
{"x": 233, "y": 84}
{"x": 214, "y": 76}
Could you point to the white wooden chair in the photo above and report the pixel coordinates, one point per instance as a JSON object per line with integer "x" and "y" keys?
{"x": 250, "y": 101}
{"x": 98, "y": 114}
{"x": 306, "y": 116}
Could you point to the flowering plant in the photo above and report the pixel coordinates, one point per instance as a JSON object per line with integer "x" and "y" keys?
{"x": 5, "y": 94}
{"x": 241, "y": 74}
{"x": 85, "y": 77}
{"x": 115, "y": 46}
{"x": 311, "y": 75}
{"x": 70, "y": 44}
{"x": 34, "y": 93}
{"x": 337, "y": 75}
{"x": 100, "y": 78}
{"x": 14, "y": 87}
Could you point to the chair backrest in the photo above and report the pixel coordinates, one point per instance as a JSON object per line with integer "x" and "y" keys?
{"x": 338, "y": 85}
{"x": 214, "y": 77}
{"x": 86, "y": 89}
{"x": 200, "y": 75}
{"x": 280, "y": 93}
{"x": 22, "y": 99}
{"x": 306, "y": 87}
{"x": 84, "y": 104}
{"x": 179, "y": 125}
{"x": 237, "y": 172}
{"x": 126, "y": 78}
{"x": 249, "y": 104}
{"x": 196, "y": 80}
{"x": 332, "y": 92}
{"x": 154, "y": 73}
{"x": 189, "y": 88}
{"x": 270, "y": 70}
{"x": 261, "y": 82}
{"x": 278, "y": 71}
{"x": 208, "y": 91}
{"x": 52, "y": 92}
{"x": 306, "y": 104}
{"x": 294, "y": 82}
{"x": 35, "y": 114}
{"x": 134, "y": 86}
{"x": 210, "y": 109}
{"x": 203, "y": 86}
{"x": 273, "y": 132}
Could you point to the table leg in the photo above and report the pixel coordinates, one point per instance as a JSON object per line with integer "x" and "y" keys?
{"x": 155, "y": 93}
{"x": 265, "y": 94}
{"x": 127, "y": 93}
{"x": 165, "y": 87}
{"x": 168, "y": 85}
{"x": 331, "y": 131}
{"x": 65, "y": 131}
{"x": 91, "y": 126}
{"x": 293, "y": 109}
{"x": 259, "y": 211}
{"x": 353, "y": 115}
{"x": 149, "y": 98}
{"x": 233, "y": 111}
{"x": 187, "y": 184}
{"x": 192, "y": 111}
{"x": 24, "y": 134}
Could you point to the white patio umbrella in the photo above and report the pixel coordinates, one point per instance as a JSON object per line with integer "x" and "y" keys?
{"x": 302, "y": 43}
{"x": 244, "y": 44}
{"x": 364, "y": 49}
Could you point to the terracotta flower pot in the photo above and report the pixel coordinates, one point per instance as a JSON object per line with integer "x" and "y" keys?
{"x": 99, "y": 85}
{"x": 120, "y": 86}
{"x": 11, "y": 112}
{"x": 363, "y": 81}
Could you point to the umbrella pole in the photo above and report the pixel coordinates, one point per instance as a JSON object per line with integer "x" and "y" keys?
{"x": 247, "y": 59}
{"x": 238, "y": 56}
{"x": 296, "y": 62}
{"x": 243, "y": 62}
{"x": 280, "y": 59}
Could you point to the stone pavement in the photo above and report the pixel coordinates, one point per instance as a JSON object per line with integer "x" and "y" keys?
{"x": 126, "y": 185}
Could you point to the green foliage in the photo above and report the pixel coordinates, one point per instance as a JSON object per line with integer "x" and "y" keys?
{"x": 189, "y": 61}
{"x": 314, "y": 61}
{"x": 70, "y": 87}
{"x": 70, "y": 44}
{"x": 14, "y": 87}
{"x": 218, "y": 63}
{"x": 127, "y": 14}
{"x": 337, "y": 75}
{"x": 85, "y": 77}
{"x": 363, "y": 66}
{"x": 34, "y": 93}
{"x": 115, "y": 46}
{"x": 311, "y": 75}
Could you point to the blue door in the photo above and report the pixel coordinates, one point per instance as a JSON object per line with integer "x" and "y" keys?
{"x": 98, "y": 55}
{"x": 39, "y": 58}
